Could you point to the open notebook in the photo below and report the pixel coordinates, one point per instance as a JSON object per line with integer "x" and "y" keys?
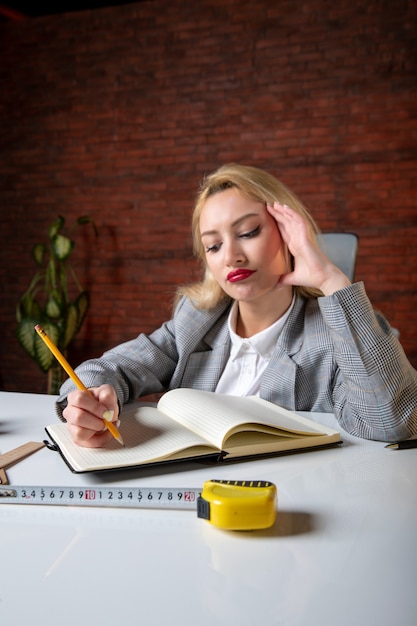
{"x": 193, "y": 424}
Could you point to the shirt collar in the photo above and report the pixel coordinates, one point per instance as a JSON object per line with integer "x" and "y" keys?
{"x": 262, "y": 343}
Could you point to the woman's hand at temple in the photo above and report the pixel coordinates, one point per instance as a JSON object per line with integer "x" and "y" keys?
{"x": 312, "y": 268}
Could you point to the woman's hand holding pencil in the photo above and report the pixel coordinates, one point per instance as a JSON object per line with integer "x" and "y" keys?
{"x": 89, "y": 416}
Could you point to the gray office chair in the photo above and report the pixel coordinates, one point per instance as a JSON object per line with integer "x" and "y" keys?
{"x": 341, "y": 248}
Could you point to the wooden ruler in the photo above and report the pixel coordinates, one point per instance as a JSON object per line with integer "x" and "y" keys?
{"x": 14, "y": 456}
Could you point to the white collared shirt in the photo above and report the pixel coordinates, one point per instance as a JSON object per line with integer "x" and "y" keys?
{"x": 249, "y": 357}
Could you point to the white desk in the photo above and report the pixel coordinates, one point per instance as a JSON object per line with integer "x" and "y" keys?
{"x": 343, "y": 551}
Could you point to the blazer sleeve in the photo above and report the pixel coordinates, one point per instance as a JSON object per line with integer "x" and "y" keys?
{"x": 148, "y": 364}
{"x": 375, "y": 389}
{"x": 141, "y": 366}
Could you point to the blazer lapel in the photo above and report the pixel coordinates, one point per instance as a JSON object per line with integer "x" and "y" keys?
{"x": 205, "y": 368}
{"x": 206, "y": 361}
{"x": 279, "y": 380}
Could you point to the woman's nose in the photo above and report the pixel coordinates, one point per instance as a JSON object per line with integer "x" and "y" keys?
{"x": 234, "y": 253}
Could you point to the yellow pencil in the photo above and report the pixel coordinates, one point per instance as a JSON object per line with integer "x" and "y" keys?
{"x": 67, "y": 367}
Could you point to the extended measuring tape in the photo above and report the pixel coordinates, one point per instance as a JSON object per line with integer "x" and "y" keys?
{"x": 232, "y": 505}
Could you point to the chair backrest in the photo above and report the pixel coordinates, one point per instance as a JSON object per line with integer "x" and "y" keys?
{"x": 341, "y": 248}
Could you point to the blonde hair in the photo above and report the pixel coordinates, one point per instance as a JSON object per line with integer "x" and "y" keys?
{"x": 257, "y": 185}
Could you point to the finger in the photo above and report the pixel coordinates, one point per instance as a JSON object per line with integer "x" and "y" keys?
{"x": 285, "y": 217}
{"x": 78, "y": 417}
{"x": 97, "y": 401}
{"x": 283, "y": 210}
{"x": 88, "y": 438}
{"x": 106, "y": 395}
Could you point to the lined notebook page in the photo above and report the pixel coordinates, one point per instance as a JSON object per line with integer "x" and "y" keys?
{"x": 148, "y": 435}
{"x": 212, "y": 415}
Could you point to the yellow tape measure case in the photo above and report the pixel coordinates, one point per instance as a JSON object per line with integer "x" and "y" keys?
{"x": 238, "y": 505}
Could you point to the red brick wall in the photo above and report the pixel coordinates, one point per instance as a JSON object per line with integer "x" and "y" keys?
{"x": 119, "y": 112}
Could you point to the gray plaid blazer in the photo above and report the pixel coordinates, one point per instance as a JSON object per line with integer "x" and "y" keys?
{"x": 335, "y": 354}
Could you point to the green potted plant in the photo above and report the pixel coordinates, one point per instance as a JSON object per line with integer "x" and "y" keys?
{"x": 50, "y": 301}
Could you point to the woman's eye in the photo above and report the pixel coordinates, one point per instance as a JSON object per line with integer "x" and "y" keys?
{"x": 251, "y": 233}
{"x": 213, "y": 248}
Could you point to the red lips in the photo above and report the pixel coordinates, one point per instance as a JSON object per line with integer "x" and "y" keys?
{"x": 240, "y": 274}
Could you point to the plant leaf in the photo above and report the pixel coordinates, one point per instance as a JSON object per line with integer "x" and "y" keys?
{"x": 63, "y": 282}
{"x": 86, "y": 219}
{"x": 53, "y": 308}
{"x": 50, "y": 275}
{"x": 62, "y": 246}
{"x": 28, "y": 307}
{"x": 25, "y": 334}
{"x": 70, "y": 324}
{"x": 82, "y": 303}
{"x": 38, "y": 253}
{"x": 43, "y": 356}
{"x": 56, "y": 227}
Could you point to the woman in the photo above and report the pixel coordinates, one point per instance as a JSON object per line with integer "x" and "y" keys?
{"x": 273, "y": 316}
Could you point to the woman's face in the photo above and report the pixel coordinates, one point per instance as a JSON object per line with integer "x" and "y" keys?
{"x": 242, "y": 243}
